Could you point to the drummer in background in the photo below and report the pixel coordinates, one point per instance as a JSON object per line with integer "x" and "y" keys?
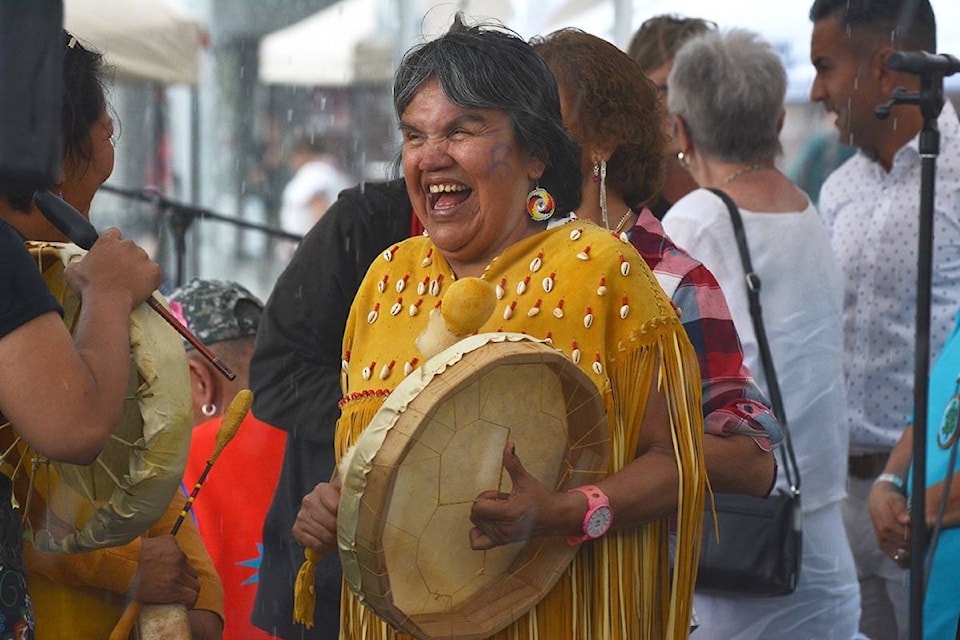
{"x": 225, "y": 317}
{"x": 82, "y": 595}
{"x": 612, "y": 110}
{"x": 482, "y": 140}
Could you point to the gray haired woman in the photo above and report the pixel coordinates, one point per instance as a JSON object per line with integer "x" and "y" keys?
{"x": 726, "y": 96}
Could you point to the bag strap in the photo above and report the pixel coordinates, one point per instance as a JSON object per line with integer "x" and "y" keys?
{"x": 791, "y": 470}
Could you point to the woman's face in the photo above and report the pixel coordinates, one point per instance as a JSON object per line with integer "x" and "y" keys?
{"x": 82, "y": 177}
{"x": 659, "y": 77}
{"x": 466, "y": 177}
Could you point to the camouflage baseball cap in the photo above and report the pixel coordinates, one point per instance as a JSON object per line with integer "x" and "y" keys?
{"x": 216, "y": 310}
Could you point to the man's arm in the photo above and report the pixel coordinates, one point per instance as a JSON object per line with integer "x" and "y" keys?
{"x": 739, "y": 427}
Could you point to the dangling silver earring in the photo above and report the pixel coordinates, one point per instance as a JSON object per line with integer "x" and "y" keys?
{"x": 682, "y": 159}
{"x": 603, "y": 194}
{"x": 208, "y": 410}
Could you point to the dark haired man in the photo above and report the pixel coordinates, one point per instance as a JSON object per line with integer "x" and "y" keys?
{"x": 870, "y": 206}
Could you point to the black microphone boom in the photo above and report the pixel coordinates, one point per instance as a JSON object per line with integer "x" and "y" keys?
{"x": 66, "y": 219}
{"x": 922, "y": 62}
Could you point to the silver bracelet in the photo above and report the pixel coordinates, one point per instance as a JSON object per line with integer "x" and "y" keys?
{"x": 892, "y": 478}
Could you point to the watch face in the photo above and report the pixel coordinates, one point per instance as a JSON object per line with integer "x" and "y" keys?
{"x": 599, "y": 522}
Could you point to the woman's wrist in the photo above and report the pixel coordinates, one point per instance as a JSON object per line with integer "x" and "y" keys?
{"x": 890, "y": 478}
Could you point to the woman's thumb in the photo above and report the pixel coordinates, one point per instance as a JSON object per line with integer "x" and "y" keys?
{"x": 511, "y": 462}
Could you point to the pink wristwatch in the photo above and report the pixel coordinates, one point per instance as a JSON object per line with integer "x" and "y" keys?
{"x": 599, "y": 515}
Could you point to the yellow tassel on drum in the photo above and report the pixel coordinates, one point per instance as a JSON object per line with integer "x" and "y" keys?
{"x": 304, "y": 592}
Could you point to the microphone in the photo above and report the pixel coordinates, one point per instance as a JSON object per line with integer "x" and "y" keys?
{"x": 80, "y": 232}
{"x": 66, "y": 219}
{"x": 922, "y": 62}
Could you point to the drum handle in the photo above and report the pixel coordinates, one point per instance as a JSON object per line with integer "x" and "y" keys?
{"x": 78, "y": 229}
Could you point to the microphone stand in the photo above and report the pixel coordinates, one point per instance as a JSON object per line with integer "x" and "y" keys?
{"x": 930, "y": 101}
{"x": 181, "y": 216}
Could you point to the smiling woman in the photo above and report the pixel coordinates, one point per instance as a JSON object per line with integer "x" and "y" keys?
{"x": 484, "y": 151}
{"x": 461, "y": 166}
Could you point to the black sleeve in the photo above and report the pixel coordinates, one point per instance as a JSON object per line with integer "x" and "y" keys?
{"x": 23, "y": 293}
{"x": 295, "y": 370}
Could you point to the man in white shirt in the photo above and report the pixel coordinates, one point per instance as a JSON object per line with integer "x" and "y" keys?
{"x": 871, "y": 208}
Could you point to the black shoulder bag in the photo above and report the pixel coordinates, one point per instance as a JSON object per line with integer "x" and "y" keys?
{"x": 759, "y": 544}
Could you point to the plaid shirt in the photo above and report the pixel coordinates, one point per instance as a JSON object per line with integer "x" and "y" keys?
{"x": 732, "y": 401}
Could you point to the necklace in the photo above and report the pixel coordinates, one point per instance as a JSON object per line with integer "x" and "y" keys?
{"x": 748, "y": 169}
{"x": 623, "y": 220}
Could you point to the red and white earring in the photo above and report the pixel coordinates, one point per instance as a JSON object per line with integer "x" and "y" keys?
{"x": 540, "y": 204}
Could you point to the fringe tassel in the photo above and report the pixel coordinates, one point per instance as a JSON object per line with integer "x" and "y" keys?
{"x": 304, "y": 592}
{"x": 684, "y": 402}
{"x": 353, "y": 422}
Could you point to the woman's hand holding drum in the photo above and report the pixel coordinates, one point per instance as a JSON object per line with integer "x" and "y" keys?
{"x": 316, "y": 524}
{"x": 530, "y": 510}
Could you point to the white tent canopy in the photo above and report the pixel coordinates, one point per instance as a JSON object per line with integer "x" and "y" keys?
{"x": 334, "y": 47}
{"x": 340, "y": 44}
{"x": 151, "y": 40}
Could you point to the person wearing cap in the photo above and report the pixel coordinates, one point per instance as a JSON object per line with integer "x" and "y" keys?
{"x": 225, "y": 317}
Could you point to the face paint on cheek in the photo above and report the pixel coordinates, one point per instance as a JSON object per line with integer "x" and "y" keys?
{"x": 499, "y": 157}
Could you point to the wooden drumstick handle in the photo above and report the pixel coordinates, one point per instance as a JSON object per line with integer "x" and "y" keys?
{"x": 154, "y": 303}
{"x": 127, "y": 621}
{"x": 229, "y": 425}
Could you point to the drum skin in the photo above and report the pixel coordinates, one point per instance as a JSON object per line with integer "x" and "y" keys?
{"x": 431, "y": 449}
{"x": 75, "y": 508}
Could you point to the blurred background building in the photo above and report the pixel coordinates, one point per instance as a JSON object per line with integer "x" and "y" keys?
{"x": 212, "y": 95}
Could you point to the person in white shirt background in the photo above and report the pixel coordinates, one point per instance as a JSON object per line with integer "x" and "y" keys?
{"x": 726, "y": 94}
{"x": 316, "y": 182}
{"x": 870, "y": 205}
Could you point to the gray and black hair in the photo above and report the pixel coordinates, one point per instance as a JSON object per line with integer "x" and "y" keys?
{"x": 906, "y": 24}
{"x": 729, "y": 90}
{"x": 490, "y": 67}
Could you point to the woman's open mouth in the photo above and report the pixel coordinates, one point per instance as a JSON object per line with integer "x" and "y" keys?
{"x": 447, "y": 196}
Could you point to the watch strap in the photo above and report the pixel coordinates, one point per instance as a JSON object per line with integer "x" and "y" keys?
{"x": 596, "y": 499}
